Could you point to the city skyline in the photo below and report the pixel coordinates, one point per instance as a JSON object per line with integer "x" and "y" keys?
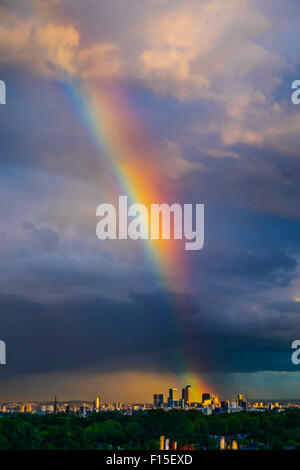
{"x": 162, "y": 397}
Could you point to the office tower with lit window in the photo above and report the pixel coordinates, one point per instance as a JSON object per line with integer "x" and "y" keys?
{"x": 97, "y": 404}
{"x": 186, "y": 394}
{"x": 172, "y": 399}
{"x": 160, "y": 400}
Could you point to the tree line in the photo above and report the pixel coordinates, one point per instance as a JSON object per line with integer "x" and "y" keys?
{"x": 141, "y": 430}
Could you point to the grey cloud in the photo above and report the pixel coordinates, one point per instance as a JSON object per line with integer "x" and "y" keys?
{"x": 97, "y": 335}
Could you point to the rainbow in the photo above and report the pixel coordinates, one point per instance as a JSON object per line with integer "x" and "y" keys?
{"x": 135, "y": 163}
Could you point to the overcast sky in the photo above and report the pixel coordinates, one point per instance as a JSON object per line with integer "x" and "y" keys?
{"x": 210, "y": 82}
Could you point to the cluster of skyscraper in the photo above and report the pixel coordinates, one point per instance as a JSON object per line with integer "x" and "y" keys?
{"x": 210, "y": 402}
{"x": 173, "y": 400}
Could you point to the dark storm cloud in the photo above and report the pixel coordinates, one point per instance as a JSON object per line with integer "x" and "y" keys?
{"x": 248, "y": 247}
{"x": 219, "y": 97}
{"x": 92, "y": 334}
{"x": 101, "y": 336}
{"x": 286, "y": 307}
